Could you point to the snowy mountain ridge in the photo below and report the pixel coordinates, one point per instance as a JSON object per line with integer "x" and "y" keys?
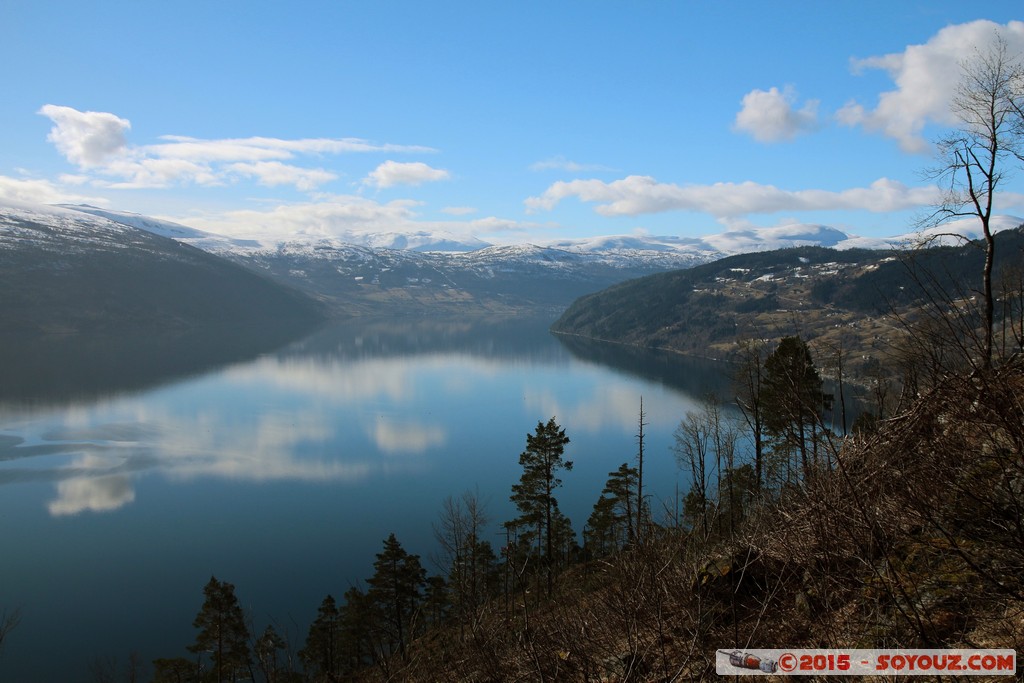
{"x": 431, "y": 269}
{"x": 655, "y": 250}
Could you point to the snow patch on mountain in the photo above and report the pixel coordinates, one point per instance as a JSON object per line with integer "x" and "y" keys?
{"x": 175, "y": 231}
{"x": 57, "y": 229}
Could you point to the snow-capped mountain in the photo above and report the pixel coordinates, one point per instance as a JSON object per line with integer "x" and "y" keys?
{"x": 61, "y": 231}
{"x": 363, "y": 272}
{"x": 63, "y": 270}
{"x": 175, "y": 231}
{"x": 745, "y": 241}
{"x": 515, "y": 275}
{"x": 638, "y": 250}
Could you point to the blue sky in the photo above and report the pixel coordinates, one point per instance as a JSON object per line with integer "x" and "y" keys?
{"x": 508, "y": 121}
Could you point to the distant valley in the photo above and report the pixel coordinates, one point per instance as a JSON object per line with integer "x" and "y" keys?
{"x": 74, "y": 268}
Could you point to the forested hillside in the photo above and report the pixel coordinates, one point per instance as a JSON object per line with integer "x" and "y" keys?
{"x": 857, "y": 298}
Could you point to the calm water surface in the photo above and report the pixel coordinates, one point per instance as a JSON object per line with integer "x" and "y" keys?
{"x": 123, "y": 489}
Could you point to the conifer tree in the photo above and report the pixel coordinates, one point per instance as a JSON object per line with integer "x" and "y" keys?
{"x": 436, "y": 600}
{"x": 357, "y": 622}
{"x": 395, "y": 590}
{"x": 600, "y": 535}
{"x": 748, "y": 378}
{"x": 321, "y": 656}
{"x": 222, "y": 631}
{"x": 793, "y": 400}
{"x": 611, "y": 524}
{"x": 534, "y": 494}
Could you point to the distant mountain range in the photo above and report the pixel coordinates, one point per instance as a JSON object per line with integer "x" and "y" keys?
{"x": 349, "y": 275}
{"x": 430, "y": 272}
{"x": 682, "y": 250}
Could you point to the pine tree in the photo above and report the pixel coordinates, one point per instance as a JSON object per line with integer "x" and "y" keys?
{"x": 437, "y": 600}
{"x": 600, "y": 536}
{"x": 534, "y": 494}
{"x": 620, "y": 487}
{"x": 222, "y": 631}
{"x": 564, "y": 546}
{"x": 357, "y": 623}
{"x": 395, "y": 590}
{"x": 322, "y": 655}
{"x": 793, "y": 400}
{"x": 748, "y": 378}
{"x": 611, "y": 524}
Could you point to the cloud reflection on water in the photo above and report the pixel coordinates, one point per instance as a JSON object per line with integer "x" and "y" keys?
{"x": 614, "y": 404}
{"x": 264, "y": 447}
{"x": 92, "y": 494}
{"x": 406, "y": 437}
{"x": 333, "y": 413}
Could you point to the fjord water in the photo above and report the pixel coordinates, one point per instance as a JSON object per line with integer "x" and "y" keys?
{"x": 128, "y": 478}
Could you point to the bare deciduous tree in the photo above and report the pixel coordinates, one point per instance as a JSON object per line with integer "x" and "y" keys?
{"x": 972, "y": 160}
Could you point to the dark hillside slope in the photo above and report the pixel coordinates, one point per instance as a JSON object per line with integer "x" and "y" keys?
{"x": 654, "y": 310}
{"x": 65, "y": 273}
{"x": 804, "y": 290}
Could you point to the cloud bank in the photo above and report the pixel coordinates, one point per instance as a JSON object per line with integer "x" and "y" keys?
{"x": 40, "y": 191}
{"x": 96, "y": 142}
{"x": 635, "y": 195}
{"x": 351, "y": 217}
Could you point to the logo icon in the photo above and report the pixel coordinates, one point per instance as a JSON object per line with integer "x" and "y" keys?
{"x": 745, "y": 660}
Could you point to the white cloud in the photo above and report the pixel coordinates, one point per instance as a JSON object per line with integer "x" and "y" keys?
{"x": 560, "y": 163}
{"x": 392, "y": 173}
{"x": 769, "y": 115}
{"x": 1007, "y": 199}
{"x": 335, "y": 216}
{"x": 352, "y": 218}
{"x": 38, "y": 191}
{"x": 274, "y": 173}
{"x": 96, "y": 143}
{"x": 459, "y": 210}
{"x": 138, "y": 173}
{"x": 636, "y": 195}
{"x": 926, "y": 78}
{"x": 86, "y": 138}
{"x": 263, "y": 148}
